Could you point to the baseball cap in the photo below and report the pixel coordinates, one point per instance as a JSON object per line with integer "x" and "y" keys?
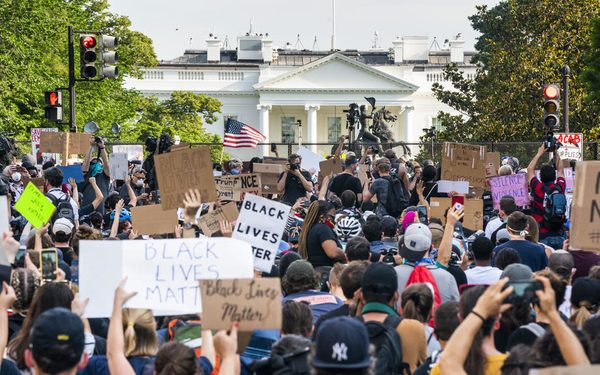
{"x": 585, "y": 289}
{"x": 388, "y": 224}
{"x": 379, "y": 278}
{"x": 437, "y": 232}
{"x": 342, "y": 343}
{"x": 517, "y": 271}
{"x": 300, "y": 271}
{"x": 502, "y": 234}
{"x": 62, "y": 225}
{"x": 417, "y": 241}
{"x": 57, "y": 340}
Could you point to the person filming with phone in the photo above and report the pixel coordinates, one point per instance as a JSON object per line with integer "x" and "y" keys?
{"x": 294, "y": 182}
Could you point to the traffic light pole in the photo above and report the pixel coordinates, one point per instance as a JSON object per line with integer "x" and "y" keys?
{"x": 72, "y": 122}
{"x": 566, "y": 71}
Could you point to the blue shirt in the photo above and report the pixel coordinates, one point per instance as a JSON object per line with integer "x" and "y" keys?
{"x": 377, "y": 246}
{"x": 532, "y": 254}
{"x": 319, "y": 302}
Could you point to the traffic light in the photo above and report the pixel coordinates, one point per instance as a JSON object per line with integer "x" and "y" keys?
{"x": 54, "y": 102}
{"x": 88, "y": 56}
{"x": 551, "y": 108}
{"x": 109, "y": 56}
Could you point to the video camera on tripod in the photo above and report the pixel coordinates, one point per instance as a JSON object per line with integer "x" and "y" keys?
{"x": 352, "y": 115}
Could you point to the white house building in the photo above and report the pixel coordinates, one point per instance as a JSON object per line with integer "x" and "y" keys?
{"x": 275, "y": 90}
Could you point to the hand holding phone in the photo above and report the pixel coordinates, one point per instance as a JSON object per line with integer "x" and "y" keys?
{"x": 524, "y": 291}
{"x": 48, "y": 263}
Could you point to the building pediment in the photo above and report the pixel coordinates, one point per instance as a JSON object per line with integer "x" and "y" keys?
{"x": 336, "y": 73}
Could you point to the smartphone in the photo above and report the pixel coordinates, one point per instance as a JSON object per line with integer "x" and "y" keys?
{"x": 458, "y": 199}
{"x": 524, "y": 291}
{"x": 48, "y": 264}
{"x": 422, "y": 212}
{"x": 20, "y": 257}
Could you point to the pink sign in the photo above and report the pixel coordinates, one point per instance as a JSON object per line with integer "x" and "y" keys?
{"x": 514, "y": 185}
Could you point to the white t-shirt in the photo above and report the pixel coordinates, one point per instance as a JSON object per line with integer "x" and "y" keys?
{"x": 483, "y": 275}
{"x": 492, "y": 226}
{"x": 565, "y": 306}
{"x": 60, "y": 195}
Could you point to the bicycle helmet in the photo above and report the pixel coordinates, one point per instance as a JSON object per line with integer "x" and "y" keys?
{"x": 347, "y": 227}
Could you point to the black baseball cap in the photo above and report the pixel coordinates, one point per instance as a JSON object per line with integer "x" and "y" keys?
{"x": 342, "y": 343}
{"x": 380, "y": 278}
{"x": 57, "y": 340}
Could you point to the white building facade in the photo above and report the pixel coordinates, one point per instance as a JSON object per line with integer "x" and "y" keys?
{"x": 298, "y": 96}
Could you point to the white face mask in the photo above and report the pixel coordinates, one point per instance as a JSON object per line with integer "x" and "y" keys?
{"x": 16, "y": 176}
{"x": 140, "y": 183}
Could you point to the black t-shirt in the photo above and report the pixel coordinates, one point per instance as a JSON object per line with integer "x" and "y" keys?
{"x": 294, "y": 188}
{"x": 458, "y": 274}
{"x": 316, "y": 236}
{"x": 85, "y": 188}
{"x": 343, "y": 182}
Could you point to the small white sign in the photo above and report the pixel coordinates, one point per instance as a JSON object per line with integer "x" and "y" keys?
{"x": 571, "y": 146}
{"x": 310, "y": 160}
{"x": 118, "y": 166}
{"x": 134, "y": 152}
{"x": 445, "y": 186}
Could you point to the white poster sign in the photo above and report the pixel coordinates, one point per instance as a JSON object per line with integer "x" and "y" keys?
{"x": 35, "y": 146}
{"x": 118, "y": 166}
{"x": 261, "y": 224}
{"x": 4, "y": 215}
{"x": 310, "y": 160}
{"x": 572, "y": 146}
{"x": 164, "y": 273}
{"x": 134, "y": 152}
{"x": 446, "y": 186}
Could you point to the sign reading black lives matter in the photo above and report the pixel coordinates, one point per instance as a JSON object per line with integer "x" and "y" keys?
{"x": 261, "y": 224}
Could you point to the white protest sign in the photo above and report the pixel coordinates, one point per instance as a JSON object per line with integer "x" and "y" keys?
{"x": 261, "y": 224}
{"x": 164, "y": 273}
{"x": 118, "y": 166}
{"x": 310, "y": 160}
{"x": 134, "y": 152}
{"x": 35, "y": 146}
{"x": 514, "y": 185}
{"x": 445, "y": 186}
{"x": 4, "y": 214}
{"x": 571, "y": 146}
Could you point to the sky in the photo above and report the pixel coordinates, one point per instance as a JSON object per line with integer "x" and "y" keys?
{"x": 176, "y": 25}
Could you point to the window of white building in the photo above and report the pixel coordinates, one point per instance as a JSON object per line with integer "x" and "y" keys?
{"x": 334, "y": 129}
{"x": 437, "y": 124}
{"x": 288, "y": 129}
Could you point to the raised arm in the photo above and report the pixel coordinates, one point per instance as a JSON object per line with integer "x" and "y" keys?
{"x": 115, "y": 343}
{"x": 226, "y": 346}
{"x": 534, "y": 161}
{"x": 323, "y": 189}
{"x": 7, "y": 298}
{"x": 99, "y": 197}
{"x": 114, "y": 229}
{"x": 445, "y": 249}
{"x": 130, "y": 192}
{"x": 560, "y": 172}
{"x": 340, "y": 147}
{"x": 282, "y": 180}
{"x": 88, "y": 157}
{"x": 74, "y": 190}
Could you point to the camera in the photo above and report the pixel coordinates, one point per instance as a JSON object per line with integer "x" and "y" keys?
{"x": 294, "y": 166}
{"x": 98, "y": 139}
{"x": 550, "y": 142}
{"x": 387, "y": 256}
{"x": 352, "y": 114}
{"x": 374, "y": 149}
{"x": 164, "y": 143}
{"x": 523, "y": 291}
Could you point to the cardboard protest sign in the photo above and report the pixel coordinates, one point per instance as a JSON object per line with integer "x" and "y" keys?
{"x": 37, "y": 181}
{"x": 461, "y": 187}
{"x": 269, "y": 176}
{"x": 54, "y": 142}
{"x": 164, "y": 273}
{"x": 462, "y": 162}
{"x": 329, "y": 167}
{"x": 585, "y": 209}
{"x": 72, "y": 171}
{"x": 235, "y": 187}
{"x": 272, "y": 160}
{"x": 119, "y": 167}
{"x": 473, "y": 218}
{"x": 34, "y": 206}
{"x": 210, "y": 222}
{"x": 261, "y": 224}
{"x": 79, "y": 143}
{"x": 310, "y": 160}
{"x": 153, "y": 220}
{"x": 180, "y": 171}
{"x": 134, "y": 152}
{"x": 224, "y": 188}
{"x": 492, "y": 163}
{"x": 254, "y": 303}
{"x": 514, "y": 185}
{"x": 571, "y": 146}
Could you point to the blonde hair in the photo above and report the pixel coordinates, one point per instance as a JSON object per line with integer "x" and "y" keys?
{"x": 335, "y": 273}
{"x": 139, "y": 330}
{"x": 580, "y": 314}
{"x": 505, "y": 170}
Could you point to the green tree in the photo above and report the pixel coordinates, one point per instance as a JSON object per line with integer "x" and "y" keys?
{"x": 523, "y": 46}
{"x": 591, "y": 75}
{"x": 34, "y": 59}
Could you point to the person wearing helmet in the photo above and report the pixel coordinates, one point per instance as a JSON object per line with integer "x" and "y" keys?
{"x": 346, "y": 227}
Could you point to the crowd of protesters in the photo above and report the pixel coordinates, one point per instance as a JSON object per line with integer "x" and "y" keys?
{"x": 373, "y": 283}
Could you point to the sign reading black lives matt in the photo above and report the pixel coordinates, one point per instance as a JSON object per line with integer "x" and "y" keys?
{"x": 261, "y": 224}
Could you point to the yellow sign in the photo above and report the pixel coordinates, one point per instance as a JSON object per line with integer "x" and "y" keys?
{"x": 34, "y": 206}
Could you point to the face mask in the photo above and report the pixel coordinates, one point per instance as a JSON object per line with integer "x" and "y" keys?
{"x": 95, "y": 169}
{"x": 16, "y": 176}
{"x": 140, "y": 182}
{"x": 234, "y": 171}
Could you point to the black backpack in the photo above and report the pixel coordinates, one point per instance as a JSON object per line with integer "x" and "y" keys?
{"x": 288, "y": 364}
{"x": 63, "y": 208}
{"x": 396, "y": 200}
{"x": 388, "y": 346}
{"x": 555, "y": 205}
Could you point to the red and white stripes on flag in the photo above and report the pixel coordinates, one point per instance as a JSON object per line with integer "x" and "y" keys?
{"x": 239, "y": 135}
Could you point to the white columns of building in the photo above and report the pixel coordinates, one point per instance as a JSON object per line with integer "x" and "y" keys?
{"x": 409, "y": 132}
{"x": 263, "y": 123}
{"x": 312, "y": 125}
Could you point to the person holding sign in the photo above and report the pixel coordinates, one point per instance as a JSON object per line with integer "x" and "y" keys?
{"x": 294, "y": 182}
{"x": 97, "y": 167}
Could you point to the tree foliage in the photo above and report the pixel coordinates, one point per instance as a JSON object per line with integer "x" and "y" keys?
{"x": 523, "y": 45}
{"x": 591, "y": 74}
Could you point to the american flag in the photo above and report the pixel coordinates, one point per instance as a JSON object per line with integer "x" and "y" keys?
{"x": 238, "y": 135}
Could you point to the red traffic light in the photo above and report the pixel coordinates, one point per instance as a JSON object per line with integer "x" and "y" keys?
{"x": 551, "y": 92}
{"x": 88, "y": 41}
{"x": 53, "y": 98}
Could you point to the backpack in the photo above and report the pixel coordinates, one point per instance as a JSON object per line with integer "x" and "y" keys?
{"x": 288, "y": 364}
{"x": 396, "y": 200}
{"x": 388, "y": 346}
{"x": 555, "y": 205}
{"x": 63, "y": 208}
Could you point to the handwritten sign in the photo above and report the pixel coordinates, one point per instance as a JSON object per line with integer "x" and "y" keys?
{"x": 210, "y": 222}
{"x": 134, "y": 152}
{"x": 473, "y": 218}
{"x": 461, "y": 187}
{"x": 261, "y": 224}
{"x": 180, "y": 171}
{"x": 492, "y": 163}
{"x": 571, "y": 146}
{"x": 462, "y": 162}
{"x": 153, "y": 220}
{"x": 72, "y": 171}
{"x": 514, "y": 185}
{"x": 234, "y": 188}
{"x": 164, "y": 273}
{"x": 119, "y": 167}
{"x": 34, "y": 206}
{"x": 254, "y": 303}
{"x": 585, "y": 209}
{"x": 269, "y": 176}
